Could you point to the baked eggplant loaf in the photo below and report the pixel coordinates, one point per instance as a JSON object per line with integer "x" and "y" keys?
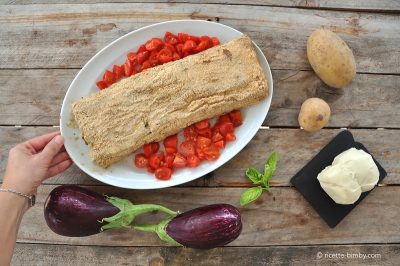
{"x": 161, "y": 101}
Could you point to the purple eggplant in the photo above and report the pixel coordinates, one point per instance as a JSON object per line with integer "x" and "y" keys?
{"x": 76, "y": 211}
{"x": 206, "y": 227}
{"x": 203, "y": 228}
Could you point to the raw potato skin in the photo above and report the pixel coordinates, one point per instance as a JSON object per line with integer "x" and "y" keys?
{"x": 331, "y": 58}
{"x": 314, "y": 114}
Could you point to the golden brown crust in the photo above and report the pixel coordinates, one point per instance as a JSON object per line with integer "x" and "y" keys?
{"x": 162, "y": 100}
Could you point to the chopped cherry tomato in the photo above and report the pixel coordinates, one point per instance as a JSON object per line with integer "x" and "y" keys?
{"x": 215, "y": 41}
{"x": 211, "y": 153}
{"x": 171, "y": 141}
{"x": 142, "y": 56}
{"x": 169, "y": 160}
{"x": 176, "y": 56}
{"x": 192, "y": 161}
{"x": 178, "y": 48}
{"x": 164, "y": 56}
{"x": 207, "y": 40}
{"x": 205, "y": 132}
{"x": 118, "y": 71}
{"x": 220, "y": 144}
{"x": 202, "y": 124}
{"x": 194, "y": 38}
{"x": 141, "y": 160}
{"x": 217, "y": 137}
{"x": 154, "y": 44}
{"x": 109, "y": 77}
{"x": 203, "y": 142}
{"x": 146, "y": 64}
{"x": 183, "y": 37}
{"x": 141, "y": 49}
{"x": 132, "y": 57}
{"x": 150, "y": 148}
{"x": 153, "y": 59}
{"x": 186, "y": 54}
{"x": 200, "y": 153}
{"x": 155, "y": 160}
{"x": 190, "y": 133}
{"x": 230, "y": 137}
{"x": 163, "y": 173}
{"x": 188, "y": 147}
{"x": 128, "y": 69}
{"x": 189, "y": 46}
{"x": 170, "y": 150}
{"x": 179, "y": 161}
{"x": 236, "y": 117}
{"x": 101, "y": 84}
{"x": 200, "y": 47}
{"x": 150, "y": 169}
{"x": 170, "y": 47}
{"x": 225, "y": 128}
{"x": 170, "y": 38}
{"x": 224, "y": 118}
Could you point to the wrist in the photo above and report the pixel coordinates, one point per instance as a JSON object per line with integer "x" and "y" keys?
{"x": 23, "y": 187}
{"x": 17, "y": 201}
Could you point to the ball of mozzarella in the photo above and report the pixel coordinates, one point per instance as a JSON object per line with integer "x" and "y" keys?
{"x": 351, "y": 173}
{"x": 361, "y": 163}
{"x": 340, "y": 184}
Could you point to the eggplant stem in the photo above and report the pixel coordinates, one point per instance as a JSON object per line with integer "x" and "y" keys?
{"x": 146, "y": 227}
{"x": 159, "y": 229}
{"x": 145, "y": 208}
{"x": 129, "y": 211}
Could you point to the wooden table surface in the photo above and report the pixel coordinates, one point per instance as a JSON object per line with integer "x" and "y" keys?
{"x": 44, "y": 43}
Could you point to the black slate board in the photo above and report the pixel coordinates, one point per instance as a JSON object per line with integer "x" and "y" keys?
{"x": 307, "y": 184}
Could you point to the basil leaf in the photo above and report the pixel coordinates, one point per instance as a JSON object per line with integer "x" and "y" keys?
{"x": 269, "y": 168}
{"x": 271, "y": 163}
{"x": 254, "y": 175}
{"x": 251, "y": 194}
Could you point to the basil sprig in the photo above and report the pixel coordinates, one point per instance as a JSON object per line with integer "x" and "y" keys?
{"x": 262, "y": 180}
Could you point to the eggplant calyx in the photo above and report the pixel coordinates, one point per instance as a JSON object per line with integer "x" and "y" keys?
{"x": 159, "y": 229}
{"x": 129, "y": 211}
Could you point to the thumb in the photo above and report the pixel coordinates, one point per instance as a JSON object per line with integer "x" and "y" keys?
{"x": 52, "y": 148}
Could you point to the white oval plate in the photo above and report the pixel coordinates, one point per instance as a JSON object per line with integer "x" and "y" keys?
{"x": 124, "y": 174}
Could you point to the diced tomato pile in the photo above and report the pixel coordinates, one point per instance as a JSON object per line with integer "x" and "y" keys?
{"x": 157, "y": 52}
{"x": 201, "y": 142}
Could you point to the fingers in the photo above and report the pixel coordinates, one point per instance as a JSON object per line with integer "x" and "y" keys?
{"x": 51, "y": 149}
{"x": 61, "y": 156}
{"x": 59, "y": 168}
{"x": 40, "y": 142}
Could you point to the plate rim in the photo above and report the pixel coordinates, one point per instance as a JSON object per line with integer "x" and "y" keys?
{"x": 163, "y": 184}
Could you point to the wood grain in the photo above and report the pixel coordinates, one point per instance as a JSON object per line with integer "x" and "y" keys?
{"x": 371, "y": 100}
{"x": 66, "y": 36}
{"x": 44, "y": 254}
{"x": 295, "y": 148}
{"x": 283, "y": 218}
{"x": 367, "y": 5}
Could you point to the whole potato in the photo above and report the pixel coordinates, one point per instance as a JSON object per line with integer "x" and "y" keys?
{"x": 331, "y": 58}
{"x": 314, "y": 114}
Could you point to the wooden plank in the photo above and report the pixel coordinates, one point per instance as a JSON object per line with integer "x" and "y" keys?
{"x": 295, "y": 148}
{"x": 40, "y": 254}
{"x": 66, "y": 36}
{"x": 366, "y": 5}
{"x": 36, "y": 102}
{"x": 370, "y": 101}
{"x": 283, "y": 218}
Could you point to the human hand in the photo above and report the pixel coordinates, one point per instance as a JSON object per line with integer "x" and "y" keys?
{"x": 35, "y": 160}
